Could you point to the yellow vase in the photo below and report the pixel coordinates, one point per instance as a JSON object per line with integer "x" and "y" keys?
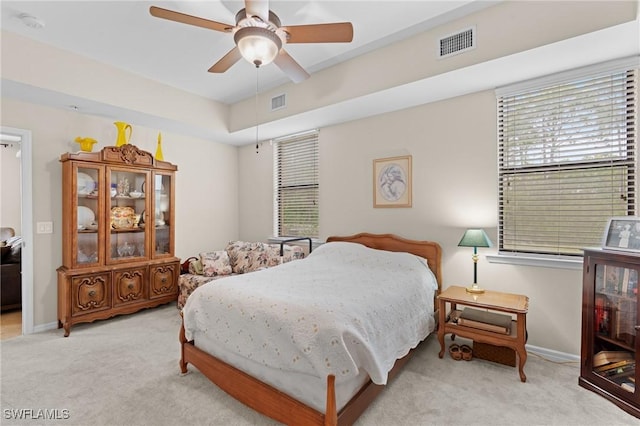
{"x": 122, "y": 138}
{"x": 159, "y": 155}
{"x": 86, "y": 144}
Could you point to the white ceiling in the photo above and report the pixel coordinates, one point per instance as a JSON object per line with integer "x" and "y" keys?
{"x": 124, "y": 34}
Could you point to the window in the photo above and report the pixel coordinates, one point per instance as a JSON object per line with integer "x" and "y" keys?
{"x": 296, "y": 185}
{"x": 567, "y": 162}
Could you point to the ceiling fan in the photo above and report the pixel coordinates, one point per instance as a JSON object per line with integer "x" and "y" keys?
{"x": 260, "y": 38}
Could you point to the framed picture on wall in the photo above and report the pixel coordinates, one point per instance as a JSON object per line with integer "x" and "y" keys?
{"x": 392, "y": 182}
{"x": 622, "y": 233}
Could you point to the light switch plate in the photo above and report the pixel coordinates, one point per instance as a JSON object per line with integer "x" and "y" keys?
{"x": 44, "y": 227}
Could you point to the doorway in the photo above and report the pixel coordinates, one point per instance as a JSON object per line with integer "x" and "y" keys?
{"x": 22, "y": 138}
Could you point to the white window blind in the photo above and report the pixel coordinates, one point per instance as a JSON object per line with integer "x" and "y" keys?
{"x": 296, "y": 185}
{"x": 567, "y": 162}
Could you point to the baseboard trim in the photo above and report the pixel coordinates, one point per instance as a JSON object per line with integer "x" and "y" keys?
{"x": 551, "y": 355}
{"x": 45, "y": 327}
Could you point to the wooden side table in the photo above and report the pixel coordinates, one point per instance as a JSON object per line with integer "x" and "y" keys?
{"x": 492, "y": 300}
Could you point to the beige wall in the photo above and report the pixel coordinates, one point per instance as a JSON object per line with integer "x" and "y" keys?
{"x": 453, "y": 148}
{"x": 206, "y": 188}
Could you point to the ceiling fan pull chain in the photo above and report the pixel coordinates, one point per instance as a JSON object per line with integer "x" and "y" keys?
{"x": 257, "y": 122}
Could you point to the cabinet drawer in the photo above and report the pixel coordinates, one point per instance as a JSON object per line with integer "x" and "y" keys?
{"x": 90, "y": 293}
{"x": 128, "y": 286}
{"x": 163, "y": 280}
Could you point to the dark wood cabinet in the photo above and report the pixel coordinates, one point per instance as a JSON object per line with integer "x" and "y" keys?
{"x": 610, "y": 322}
{"x": 118, "y": 234}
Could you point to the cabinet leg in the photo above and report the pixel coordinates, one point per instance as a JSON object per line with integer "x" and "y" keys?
{"x": 522, "y": 359}
{"x": 67, "y": 328}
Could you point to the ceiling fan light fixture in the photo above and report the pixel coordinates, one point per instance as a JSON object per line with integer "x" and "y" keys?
{"x": 257, "y": 45}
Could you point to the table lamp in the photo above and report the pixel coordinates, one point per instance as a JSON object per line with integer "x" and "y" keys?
{"x": 475, "y": 238}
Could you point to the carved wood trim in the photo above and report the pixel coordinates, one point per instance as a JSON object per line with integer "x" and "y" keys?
{"x": 164, "y": 279}
{"x": 92, "y": 293}
{"x": 129, "y": 285}
{"x": 127, "y": 154}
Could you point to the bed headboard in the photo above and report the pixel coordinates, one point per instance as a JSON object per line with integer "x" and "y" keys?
{"x": 427, "y": 249}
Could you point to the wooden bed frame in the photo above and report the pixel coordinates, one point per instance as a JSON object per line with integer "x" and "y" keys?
{"x": 279, "y": 406}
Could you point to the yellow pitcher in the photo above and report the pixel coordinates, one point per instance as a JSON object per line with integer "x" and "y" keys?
{"x": 122, "y": 133}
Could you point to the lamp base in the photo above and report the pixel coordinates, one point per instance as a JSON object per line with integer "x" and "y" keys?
{"x": 474, "y": 289}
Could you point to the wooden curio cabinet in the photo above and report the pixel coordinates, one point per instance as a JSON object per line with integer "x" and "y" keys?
{"x": 610, "y": 324}
{"x": 118, "y": 234}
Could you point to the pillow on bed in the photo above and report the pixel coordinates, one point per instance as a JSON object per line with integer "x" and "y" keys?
{"x": 215, "y": 263}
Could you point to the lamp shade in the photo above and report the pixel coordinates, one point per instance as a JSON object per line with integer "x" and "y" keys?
{"x": 475, "y": 238}
{"x": 257, "y": 45}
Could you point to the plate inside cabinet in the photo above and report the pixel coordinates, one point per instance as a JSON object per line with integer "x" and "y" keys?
{"x": 86, "y": 184}
{"x": 86, "y": 216}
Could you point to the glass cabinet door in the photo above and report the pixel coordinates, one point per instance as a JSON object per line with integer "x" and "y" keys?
{"x": 615, "y": 320}
{"x": 87, "y": 182}
{"x": 163, "y": 215}
{"x": 128, "y": 219}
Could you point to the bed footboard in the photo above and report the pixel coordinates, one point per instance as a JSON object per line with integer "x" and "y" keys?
{"x": 272, "y": 402}
{"x": 183, "y": 341}
{"x": 254, "y": 393}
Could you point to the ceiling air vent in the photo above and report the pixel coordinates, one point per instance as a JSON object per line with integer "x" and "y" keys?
{"x": 457, "y": 43}
{"x": 278, "y": 102}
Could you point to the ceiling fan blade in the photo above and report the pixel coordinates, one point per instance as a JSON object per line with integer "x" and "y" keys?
{"x": 340, "y": 32}
{"x": 259, "y": 8}
{"x": 183, "y": 18}
{"x": 290, "y": 67}
{"x": 227, "y": 61}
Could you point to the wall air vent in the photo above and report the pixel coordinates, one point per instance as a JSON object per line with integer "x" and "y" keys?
{"x": 456, "y": 43}
{"x": 279, "y": 102}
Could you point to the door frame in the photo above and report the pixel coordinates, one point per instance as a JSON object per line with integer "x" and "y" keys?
{"x": 26, "y": 190}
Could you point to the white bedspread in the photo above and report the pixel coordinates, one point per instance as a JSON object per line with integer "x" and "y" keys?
{"x": 344, "y": 308}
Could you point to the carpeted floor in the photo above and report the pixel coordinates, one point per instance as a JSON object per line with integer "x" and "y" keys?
{"x": 124, "y": 371}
